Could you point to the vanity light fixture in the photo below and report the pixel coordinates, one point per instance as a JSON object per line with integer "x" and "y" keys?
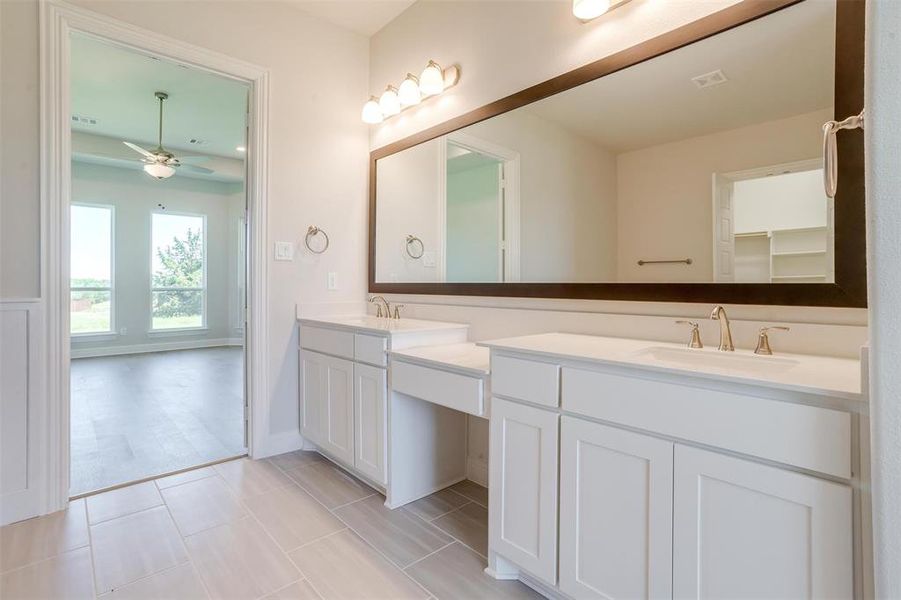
{"x": 388, "y": 102}
{"x": 372, "y": 113}
{"x": 408, "y": 93}
{"x": 586, "y": 10}
{"x": 432, "y": 81}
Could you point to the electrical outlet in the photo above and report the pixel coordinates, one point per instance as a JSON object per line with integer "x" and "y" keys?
{"x": 123, "y": 330}
{"x": 332, "y": 281}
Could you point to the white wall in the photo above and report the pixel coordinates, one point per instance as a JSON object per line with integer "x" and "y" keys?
{"x": 665, "y": 192}
{"x": 567, "y": 198}
{"x": 884, "y": 249}
{"x": 410, "y": 184}
{"x": 789, "y": 201}
{"x": 500, "y": 55}
{"x": 135, "y": 197}
{"x": 19, "y": 172}
{"x": 318, "y": 153}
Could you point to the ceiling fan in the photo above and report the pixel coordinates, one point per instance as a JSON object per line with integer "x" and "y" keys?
{"x": 160, "y": 163}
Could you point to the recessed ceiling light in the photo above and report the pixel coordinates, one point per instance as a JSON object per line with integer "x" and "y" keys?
{"x": 241, "y": 149}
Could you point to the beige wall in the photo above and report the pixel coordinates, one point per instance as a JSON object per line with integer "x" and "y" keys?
{"x": 317, "y": 148}
{"x": 665, "y": 192}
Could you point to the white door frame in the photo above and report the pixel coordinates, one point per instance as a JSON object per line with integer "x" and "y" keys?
{"x": 722, "y": 195}
{"x": 57, "y": 21}
{"x": 510, "y": 189}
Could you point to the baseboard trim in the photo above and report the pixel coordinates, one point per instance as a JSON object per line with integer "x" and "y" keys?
{"x": 154, "y": 347}
{"x": 278, "y": 443}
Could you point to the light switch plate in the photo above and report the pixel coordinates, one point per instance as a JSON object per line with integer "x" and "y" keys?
{"x": 332, "y": 280}
{"x": 428, "y": 260}
{"x": 284, "y": 251}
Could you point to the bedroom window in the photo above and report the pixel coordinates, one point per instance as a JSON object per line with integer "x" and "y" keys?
{"x": 90, "y": 270}
{"x": 178, "y": 272}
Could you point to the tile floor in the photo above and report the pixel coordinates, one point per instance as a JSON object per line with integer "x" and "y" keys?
{"x": 140, "y": 415}
{"x": 290, "y": 527}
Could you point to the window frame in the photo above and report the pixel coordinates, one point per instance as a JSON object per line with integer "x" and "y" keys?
{"x": 113, "y": 331}
{"x": 203, "y": 290}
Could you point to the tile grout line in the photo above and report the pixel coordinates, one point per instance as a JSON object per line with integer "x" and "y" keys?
{"x": 367, "y": 543}
{"x": 403, "y": 569}
{"x": 419, "y": 560}
{"x": 185, "y": 545}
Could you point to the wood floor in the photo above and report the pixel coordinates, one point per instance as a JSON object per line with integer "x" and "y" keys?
{"x": 289, "y": 527}
{"x": 141, "y": 415}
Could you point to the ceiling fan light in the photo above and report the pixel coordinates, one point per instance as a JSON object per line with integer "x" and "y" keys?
{"x": 159, "y": 170}
{"x": 389, "y": 103}
{"x": 372, "y": 114}
{"x": 408, "y": 93}
{"x": 586, "y": 10}
{"x": 431, "y": 81}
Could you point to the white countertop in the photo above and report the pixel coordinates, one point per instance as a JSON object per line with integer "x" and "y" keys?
{"x": 466, "y": 357}
{"x": 381, "y": 325}
{"x": 820, "y": 375}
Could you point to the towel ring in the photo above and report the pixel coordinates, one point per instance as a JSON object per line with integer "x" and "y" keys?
{"x": 312, "y": 232}
{"x": 412, "y": 240}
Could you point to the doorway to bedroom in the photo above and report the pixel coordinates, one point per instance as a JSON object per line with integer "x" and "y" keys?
{"x": 157, "y": 244}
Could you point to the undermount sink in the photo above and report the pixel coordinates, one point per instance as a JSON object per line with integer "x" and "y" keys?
{"x": 707, "y": 359}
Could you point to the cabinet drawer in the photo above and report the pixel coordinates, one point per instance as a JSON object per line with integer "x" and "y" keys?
{"x": 528, "y": 380}
{"x": 452, "y": 390}
{"x": 809, "y": 437}
{"x": 328, "y": 341}
{"x": 370, "y": 349}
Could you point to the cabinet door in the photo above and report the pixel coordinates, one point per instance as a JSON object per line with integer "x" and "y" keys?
{"x": 755, "y": 531}
{"x": 337, "y": 418}
{"x": 616, "y": 500}
{"x": 312, "y": 395}
{"x": 370, "y": 441}
{"x": 523, "y": 484}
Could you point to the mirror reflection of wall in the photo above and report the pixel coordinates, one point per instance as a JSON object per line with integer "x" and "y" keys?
{"x": 711, "y": 152}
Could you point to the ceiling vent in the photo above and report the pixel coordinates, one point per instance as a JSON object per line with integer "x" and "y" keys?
{"x": 711, "y": 79}
{"x": 83, "y": 120}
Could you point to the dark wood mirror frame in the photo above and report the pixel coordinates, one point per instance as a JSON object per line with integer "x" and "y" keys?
{"x": 850, "y": 287}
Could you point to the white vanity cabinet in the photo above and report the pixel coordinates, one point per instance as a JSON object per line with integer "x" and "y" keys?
{"x": 370, "y": 433}
{"x": 670, "y": 486}
{"x": 343, "y": 385}
{"x": 616, "y": 496}
{"x": 523, "y": 484}
{"x": 327, "y": 413}
{"x": 766, "y": 531}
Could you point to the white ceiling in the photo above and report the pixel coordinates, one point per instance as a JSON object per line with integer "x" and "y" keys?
{"x": 777, "y": 66}
{"x": 362, "y": 16}
{"x": 116, "y": 86}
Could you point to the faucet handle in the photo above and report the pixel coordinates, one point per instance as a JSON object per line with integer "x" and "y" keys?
{"x": 695, "y": 341}
{"x": 397, "y": 308}
{"x": 763, "y": 339}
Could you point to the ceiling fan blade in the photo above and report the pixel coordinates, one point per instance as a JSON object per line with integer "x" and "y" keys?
{"x": 195, "y": 169}
{"x": 193, "y": 159}
{"x": 140, "y": 150}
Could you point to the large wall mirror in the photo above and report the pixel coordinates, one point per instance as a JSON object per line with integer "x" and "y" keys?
{"x": 687, "y": 168}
